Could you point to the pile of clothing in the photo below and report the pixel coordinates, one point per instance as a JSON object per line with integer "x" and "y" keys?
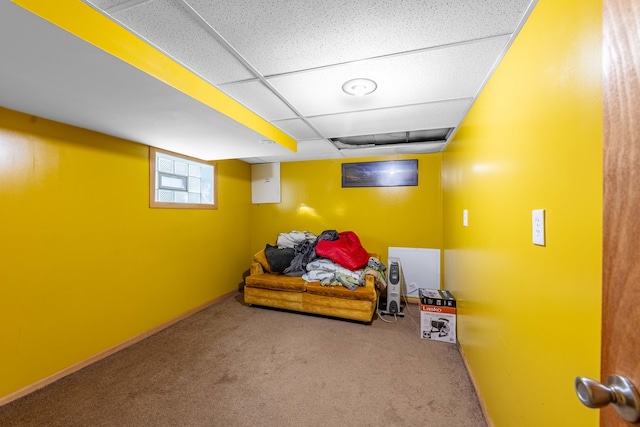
{"x": 331, "y": 258}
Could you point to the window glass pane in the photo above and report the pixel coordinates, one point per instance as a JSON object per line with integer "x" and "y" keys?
{"x": 181, "y": 181}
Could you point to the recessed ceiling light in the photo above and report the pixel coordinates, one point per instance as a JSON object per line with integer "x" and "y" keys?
{"x": 359, "y": 87}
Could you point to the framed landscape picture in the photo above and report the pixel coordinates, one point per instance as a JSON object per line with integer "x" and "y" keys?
{"x": 390, "y": 173}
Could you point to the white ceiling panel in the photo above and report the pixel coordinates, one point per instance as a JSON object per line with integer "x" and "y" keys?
{"x": 258, "y": 98}
{"x": 411, "y": 117}
{"x": 316, "y": 146}
{"x": 36, "y": 78}
{"x": 170, "y": 26}
{"x": 297, "y": 128}
{"x": 285, "y": 36}
{"x": 435, "y": 74}
{"x": 285, "y": 60}
{"x": 111, "y": 4}
{"x": 420, "y": 148}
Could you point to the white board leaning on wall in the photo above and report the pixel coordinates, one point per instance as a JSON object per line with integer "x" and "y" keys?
{"x": 420, "y": 267}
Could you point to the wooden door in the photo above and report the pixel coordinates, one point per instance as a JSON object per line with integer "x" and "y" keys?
{"x": 621, "y": 233}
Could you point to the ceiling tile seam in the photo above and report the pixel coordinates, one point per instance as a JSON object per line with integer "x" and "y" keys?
{"x": 247, "y": 65}
{"x": 392, "y": 107}
{"x": 132, "y": 3}
{"x": 304, "y": 119}
{"x": 390, "y": 55}
{"x": 238, "y": 82}
{"x": 313, "y": 139}
{"x": 209, "y": 28}
{"x": 107, "y": 14}
{"x": 226, "y": 45}
{"x": 128, "y": 4}
{"x": 299, "y": 116}
{"x": 218, "y": 37}
{"x": 495, "y": 65}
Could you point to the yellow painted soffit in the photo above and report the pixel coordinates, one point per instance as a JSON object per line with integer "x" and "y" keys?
{"x": 93, "y": 27}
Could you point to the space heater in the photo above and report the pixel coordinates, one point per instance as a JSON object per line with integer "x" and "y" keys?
{"x": 394, "y": 287}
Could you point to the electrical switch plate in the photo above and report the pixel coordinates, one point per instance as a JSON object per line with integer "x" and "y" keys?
{"x": 465, "y": 218}
{"x": 537, "y": 223}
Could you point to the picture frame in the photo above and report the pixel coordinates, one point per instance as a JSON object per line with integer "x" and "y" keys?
{"x": 387, "y": 173}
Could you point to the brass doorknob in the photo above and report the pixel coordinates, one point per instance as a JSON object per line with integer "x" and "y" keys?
{"x": 619, "y": 391}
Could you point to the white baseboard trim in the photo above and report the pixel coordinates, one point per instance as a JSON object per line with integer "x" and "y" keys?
{"x": 483, "y": 407}
{"x": 108, "y": 352}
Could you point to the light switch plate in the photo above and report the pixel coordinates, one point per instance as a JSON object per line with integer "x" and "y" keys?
{"x": 537, "y": 224}
{"x": 465, "y": 218}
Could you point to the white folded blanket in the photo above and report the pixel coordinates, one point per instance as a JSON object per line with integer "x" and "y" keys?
{"x": 322, "y": 268}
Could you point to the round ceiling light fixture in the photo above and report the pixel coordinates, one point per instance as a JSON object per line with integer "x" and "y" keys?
{"x": 359, "y": 87}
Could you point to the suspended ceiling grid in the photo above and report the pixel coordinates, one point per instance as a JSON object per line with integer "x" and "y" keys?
{"x": 286, "y": 61}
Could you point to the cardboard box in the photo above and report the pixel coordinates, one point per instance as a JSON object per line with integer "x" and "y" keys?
{"x": 437, "y": 315}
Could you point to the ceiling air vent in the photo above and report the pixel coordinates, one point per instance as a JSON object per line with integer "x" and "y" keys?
{"x": 394, "y": 138}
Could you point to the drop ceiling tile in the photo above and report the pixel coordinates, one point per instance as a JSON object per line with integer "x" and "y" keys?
{"x": 316, "y": 146}
{"x": 109, "y": 4}
{"x": 169, "y": 26}
{"x": 280, "y": 38}
{"x": 69, "y": 80}
{"x": 296, "y": 128}
{"x": 284, "y": 36}
{"x": 424, "y": 148}
{"x": 257, "y": 97}
{"x": 398, "y": 119}
{"x": 437, "y": 74}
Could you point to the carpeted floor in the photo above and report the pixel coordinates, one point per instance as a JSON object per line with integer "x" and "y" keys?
{"x": 234, "y": 365}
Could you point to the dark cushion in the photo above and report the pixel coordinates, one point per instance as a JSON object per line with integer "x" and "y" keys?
{"x": 278, "y": 259}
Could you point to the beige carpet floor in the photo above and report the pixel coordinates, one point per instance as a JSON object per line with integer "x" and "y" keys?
{"x": 234, "y": 365}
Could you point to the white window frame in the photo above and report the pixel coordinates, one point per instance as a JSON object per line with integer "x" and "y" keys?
{"x": 196, "y": 179}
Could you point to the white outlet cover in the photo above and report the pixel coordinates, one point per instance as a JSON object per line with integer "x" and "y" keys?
{"x": 465, "y": 218}
{"x": 537, "y": 227}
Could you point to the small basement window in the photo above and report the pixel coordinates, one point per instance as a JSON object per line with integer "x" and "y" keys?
{"x": 181, "y": 182}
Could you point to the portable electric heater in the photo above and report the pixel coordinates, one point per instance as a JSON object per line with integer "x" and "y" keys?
{"x": 394, "y": 287}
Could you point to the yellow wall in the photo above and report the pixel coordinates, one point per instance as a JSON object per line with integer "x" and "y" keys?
{"x": 85, "y": 263}
{"x": 529, "y": 316}
{"x": 313, "y": 200}
{"x": 91, "y": 264}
